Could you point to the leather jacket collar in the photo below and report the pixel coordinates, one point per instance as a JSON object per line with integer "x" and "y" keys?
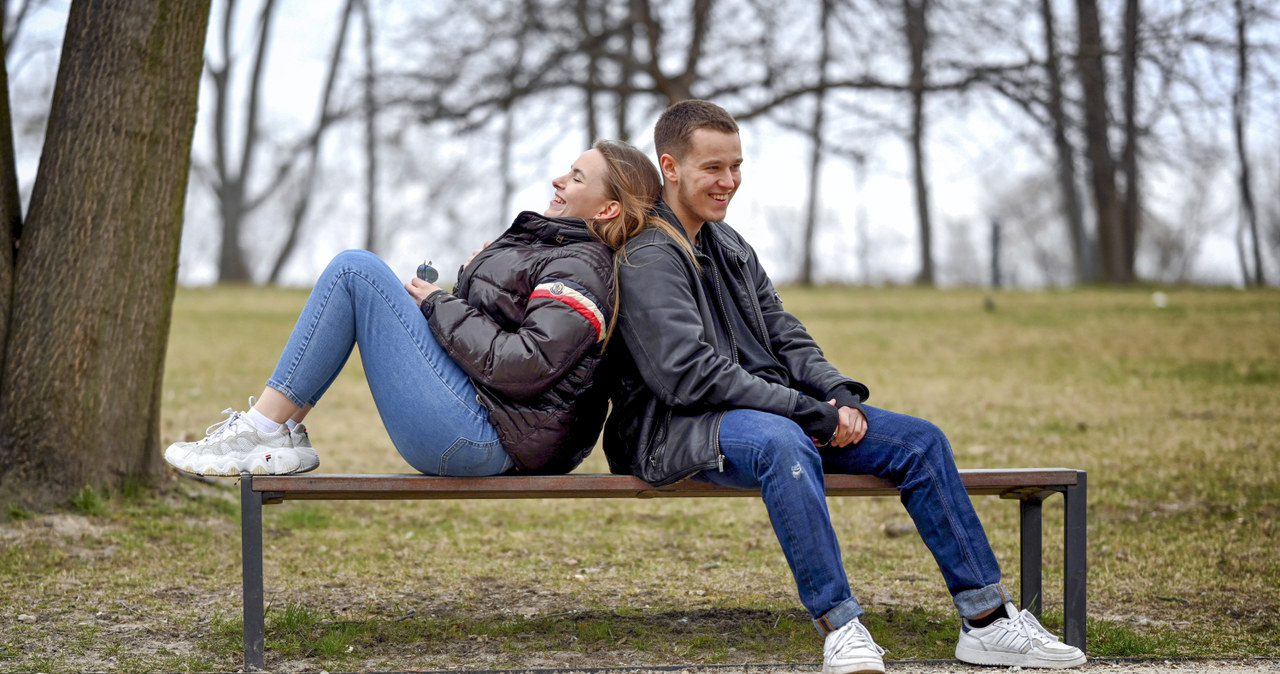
{"x": 712, "y": 229}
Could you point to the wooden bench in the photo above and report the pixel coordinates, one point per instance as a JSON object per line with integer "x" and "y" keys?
{"x": 1030, "y": 487}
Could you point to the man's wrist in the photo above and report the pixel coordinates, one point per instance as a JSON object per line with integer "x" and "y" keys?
{"x": 845, "y": 397}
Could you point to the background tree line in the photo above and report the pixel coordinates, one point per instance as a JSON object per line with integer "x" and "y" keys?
{"x": 1112, "y": 138}
{"x": 1125, "y": 113}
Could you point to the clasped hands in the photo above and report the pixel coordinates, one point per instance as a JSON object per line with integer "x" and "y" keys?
{"x": 852, "y": 428}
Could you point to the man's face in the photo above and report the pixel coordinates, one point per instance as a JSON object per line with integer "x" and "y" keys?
{"x": 699, "y": 187}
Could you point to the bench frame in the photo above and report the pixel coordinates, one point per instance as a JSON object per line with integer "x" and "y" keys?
{"x": 1029, "y": 486}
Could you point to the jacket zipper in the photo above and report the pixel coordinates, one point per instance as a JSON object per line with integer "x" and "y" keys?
{"x": 733, "y": 339}
{"x": 733, "y": 342}
{"x": 716, "y": 441}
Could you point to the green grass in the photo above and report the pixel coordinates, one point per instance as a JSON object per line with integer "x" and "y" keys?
{"x": 1174, "y": 412}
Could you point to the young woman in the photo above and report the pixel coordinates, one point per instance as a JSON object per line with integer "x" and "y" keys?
{"x": 492, "y": 378}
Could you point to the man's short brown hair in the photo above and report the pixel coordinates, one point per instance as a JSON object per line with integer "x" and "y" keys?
{"x": 674, "y": 131}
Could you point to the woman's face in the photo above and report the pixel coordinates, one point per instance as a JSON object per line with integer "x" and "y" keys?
{"x": 580, "y": 193}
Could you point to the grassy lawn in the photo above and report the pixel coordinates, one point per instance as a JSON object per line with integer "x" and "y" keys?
{"x": 1175, "y": 413}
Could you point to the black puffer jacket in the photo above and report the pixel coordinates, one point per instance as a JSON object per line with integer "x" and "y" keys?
{"x": 678, "y": 372}
{"x": 526, "y": 321}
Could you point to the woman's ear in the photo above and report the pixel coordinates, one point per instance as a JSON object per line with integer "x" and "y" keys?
{"x": 609, "y": 211}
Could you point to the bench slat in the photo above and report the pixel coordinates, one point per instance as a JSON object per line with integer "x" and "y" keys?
{"x": 1009, "y": 483}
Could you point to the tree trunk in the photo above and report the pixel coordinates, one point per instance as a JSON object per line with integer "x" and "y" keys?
{"x": 507, "y": 142}
{"x": 308, "y": 187}
{"x": 815, "y": 158}
{"x": 1081, "y": 251}
{"x": 80, "y": 392}
{"x": 370, "y": 132}
{"x": 916, "y": 12}
{"x": 233, "y": 194}
{"x": 592, "y": 85}
{"x": 627, "y": 73}
{"x": 10, "y": 201}
{"x": 1132, "y": 207}
{"x": 1239, "y": 114}
{"x": 1102, "y": 170}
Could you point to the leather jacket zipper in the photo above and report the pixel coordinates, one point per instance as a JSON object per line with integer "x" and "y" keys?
{"x": 716, "y": 441}
{"x": 733, "y": 342}
{"x": 733, "y": 339}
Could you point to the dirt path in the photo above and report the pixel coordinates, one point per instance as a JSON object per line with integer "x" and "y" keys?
{"x": 1094, "y": 666}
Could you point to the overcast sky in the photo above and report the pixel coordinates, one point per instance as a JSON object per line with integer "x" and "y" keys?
{"x": 972, "y": 154}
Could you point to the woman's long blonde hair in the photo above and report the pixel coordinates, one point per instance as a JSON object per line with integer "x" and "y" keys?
{"x": 633, "y": 181}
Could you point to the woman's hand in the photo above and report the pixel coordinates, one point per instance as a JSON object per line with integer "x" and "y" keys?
{"x": 476, "y": 252}
{"x": 420, "y": 289}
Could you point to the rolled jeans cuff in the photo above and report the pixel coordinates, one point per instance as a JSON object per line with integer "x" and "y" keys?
{"x": 838, "y": 617}
{"x": 973, "y": 603}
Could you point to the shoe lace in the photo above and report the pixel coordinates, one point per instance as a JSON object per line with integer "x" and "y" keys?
{"x": 1025, "y": 623}
{"x": 221, "y": 427}
{"x": 853, "y": 636}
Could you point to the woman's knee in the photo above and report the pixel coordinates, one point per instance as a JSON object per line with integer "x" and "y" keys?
{"x": 354, "y": 259}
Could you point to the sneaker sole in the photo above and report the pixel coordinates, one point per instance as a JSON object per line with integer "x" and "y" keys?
{"x": 989, "y": 658}
{"x": 285, "y": 462}
{"x": 860, "y": 668}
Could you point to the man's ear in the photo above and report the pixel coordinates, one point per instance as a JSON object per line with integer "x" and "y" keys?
{"x": 610, "y": 211}
{"x": 670, "y": 168}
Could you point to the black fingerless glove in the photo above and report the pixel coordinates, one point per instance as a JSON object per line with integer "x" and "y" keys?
{"x": 817, "y": 419}
{"x": 845, "y": 396}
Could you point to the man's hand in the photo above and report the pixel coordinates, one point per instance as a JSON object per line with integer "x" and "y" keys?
{"x": 853, "y": 426}
{"x": 420, "y": 289}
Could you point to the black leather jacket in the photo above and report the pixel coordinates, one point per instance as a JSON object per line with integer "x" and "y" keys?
{"x": 526, "y": 321}
{"x": 677, "y": 374}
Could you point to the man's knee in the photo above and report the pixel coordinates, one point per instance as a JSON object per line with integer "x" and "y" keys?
{"x": 790, "y": 449}
{"x": 780, "y": 440}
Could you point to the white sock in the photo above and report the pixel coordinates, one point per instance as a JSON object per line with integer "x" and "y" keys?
{"x": 262, "y": 422}
{"x": 291, "y": 424}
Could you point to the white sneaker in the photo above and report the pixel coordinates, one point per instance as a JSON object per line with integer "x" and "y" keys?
{"x": 308, "y": 459}
{"x": 1019, "y": 641}
{"x": 236, "y": 446}
{"x": 850, "y": 650}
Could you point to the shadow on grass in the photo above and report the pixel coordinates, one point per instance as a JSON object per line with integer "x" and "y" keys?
{"x": 638, "y": 637}
{"x": 599, "y": 637}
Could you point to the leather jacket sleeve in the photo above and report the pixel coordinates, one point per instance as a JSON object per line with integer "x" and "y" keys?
{"x": 560, "y": 324}
{"x": 663, "y": 329}
{"x": 794, "y": 347}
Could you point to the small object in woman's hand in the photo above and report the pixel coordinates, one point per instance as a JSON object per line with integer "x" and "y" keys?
{"x": 428, "y": 273}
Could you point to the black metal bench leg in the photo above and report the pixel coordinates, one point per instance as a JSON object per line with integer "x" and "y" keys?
{"x": 251, "y": 550}
{"x": 1031, "y": 541}
{"x": 1075, "y": 561}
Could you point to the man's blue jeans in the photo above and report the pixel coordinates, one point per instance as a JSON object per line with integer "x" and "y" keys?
{"x": 772, "y": 453}
{"x": 427, "y": 403}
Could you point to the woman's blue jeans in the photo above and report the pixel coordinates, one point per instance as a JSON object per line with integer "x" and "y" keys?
{"x": 427, "y": 403}
{"x": 772, "y": 453}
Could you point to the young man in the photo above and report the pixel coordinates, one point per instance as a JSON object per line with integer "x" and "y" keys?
{"x": 719, "y": 383}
